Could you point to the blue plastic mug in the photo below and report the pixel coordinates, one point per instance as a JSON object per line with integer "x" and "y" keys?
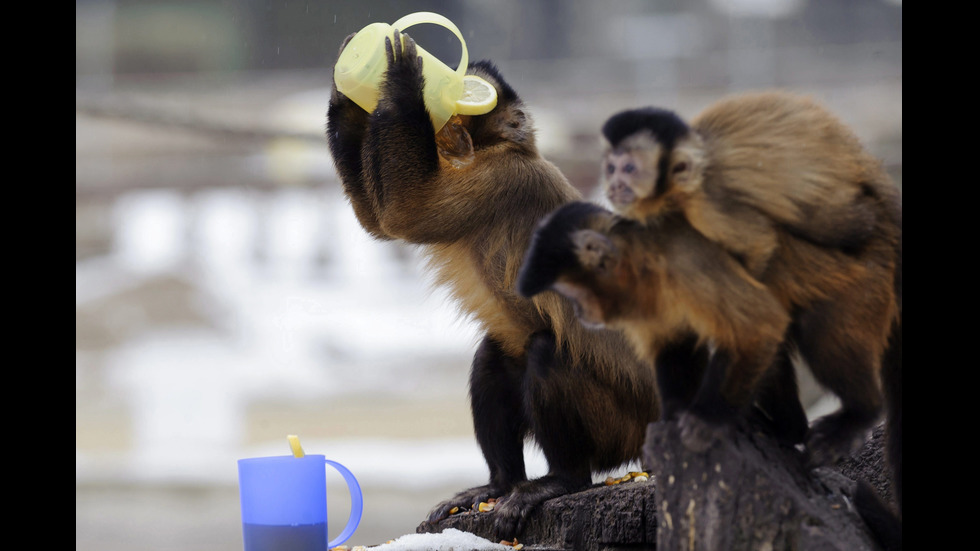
{"x": 284, "y": 503}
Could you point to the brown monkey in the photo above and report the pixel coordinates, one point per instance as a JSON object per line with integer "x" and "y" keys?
{"x": 471, "y": 196}
{"x": 784, "y": 186}
{"x": 660, "y": 280}
{"x": 766, "y": 229}
{"x": 746, "y": 168}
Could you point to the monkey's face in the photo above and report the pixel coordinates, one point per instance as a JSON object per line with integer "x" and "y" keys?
{"x": 640, "y": 176}
{"x": 630, "y": 171}
{"x": 629, "y": 176}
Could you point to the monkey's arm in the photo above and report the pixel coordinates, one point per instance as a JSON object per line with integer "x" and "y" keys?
{"x": 399, "y": 147}
{"x": 424, "y": 199}
{"x": 347, "y": 125}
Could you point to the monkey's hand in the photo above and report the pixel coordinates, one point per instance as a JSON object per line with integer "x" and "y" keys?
{"x": 403, "y": 82}
{"x": 336, "y": 97}
{"x": 467, "y": 499}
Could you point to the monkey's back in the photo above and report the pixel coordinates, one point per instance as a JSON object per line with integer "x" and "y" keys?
{"x": 788, "y": 157}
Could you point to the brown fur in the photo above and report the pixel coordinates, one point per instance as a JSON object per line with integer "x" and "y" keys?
{"x": 759, "y": 161}
{"x": 764, "y": 227}
{"x": 662, "y": 279}
{"x": 471, "y": 196}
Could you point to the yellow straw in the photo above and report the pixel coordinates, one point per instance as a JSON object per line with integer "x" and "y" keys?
{"x": 294, "y": 445}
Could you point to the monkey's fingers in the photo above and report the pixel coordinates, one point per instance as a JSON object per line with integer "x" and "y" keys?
{"x": 393, "y": 47}
{"x": 344, "y": 43}
{"x": 409, "y": 51}
{"x": 397, "y": 44}
{"x": 389, "y": 53}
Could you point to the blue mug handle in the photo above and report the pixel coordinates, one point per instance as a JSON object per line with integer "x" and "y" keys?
{"x": 356, "y": 504}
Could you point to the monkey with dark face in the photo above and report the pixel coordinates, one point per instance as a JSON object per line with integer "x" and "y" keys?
{"x": 471, "y": 196}
{"x": 764, "y": 228}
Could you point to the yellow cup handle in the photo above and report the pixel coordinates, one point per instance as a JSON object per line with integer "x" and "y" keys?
{"x": 435, "y": 18}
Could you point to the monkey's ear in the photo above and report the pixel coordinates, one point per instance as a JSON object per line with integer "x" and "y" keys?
{"x": 686, "y": 164}
{"x": 594, "y": 250}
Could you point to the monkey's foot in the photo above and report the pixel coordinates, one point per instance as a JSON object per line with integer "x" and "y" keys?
{"x": 467, "y": 499}
{"x": 832, "y": 438}
{"x": 698, "y": 433}
{"x": 789, "y": 426}
{"x": 511, "y": 511}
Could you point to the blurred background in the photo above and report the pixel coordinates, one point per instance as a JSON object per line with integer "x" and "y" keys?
{"x": 225, "y": 296}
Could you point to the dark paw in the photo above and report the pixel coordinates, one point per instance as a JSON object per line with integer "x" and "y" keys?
{"x": 698, "y": 434}
{"x": 512, "y": 511}
{"x": 828, "y": 442}
{"x": 402, "y": 53}
{"x": 509, "y": 515}
{"x": 467, "y": 499}
{"x": 403, "y": 81}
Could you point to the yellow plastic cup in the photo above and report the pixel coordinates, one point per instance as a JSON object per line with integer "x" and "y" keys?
{"x": 362, "y": 65}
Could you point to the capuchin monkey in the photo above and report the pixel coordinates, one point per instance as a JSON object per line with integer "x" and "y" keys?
{"x": 745, "y": 169}
{"x": 766, "y": 229}
{"x": 471, "y": 197}
{"x": 782, "y": 185}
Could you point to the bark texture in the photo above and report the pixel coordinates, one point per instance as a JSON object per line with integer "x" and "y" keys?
{"x": 744, "y": 493}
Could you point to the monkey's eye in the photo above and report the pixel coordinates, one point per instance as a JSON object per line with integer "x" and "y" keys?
{"x": 629, "y": 168}
{"x": 680, "y": 167}
{"x": 610, "y": 168}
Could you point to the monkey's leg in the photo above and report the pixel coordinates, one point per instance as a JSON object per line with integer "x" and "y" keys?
{"x": 499, "y": 422}
{"x": 778, "y": 400}
{"x": 705, "y": 420}
{"x": 680, "y": 367}
{"x": 729, "y": 384}
{"x": 558, "y": 429}
{"x": 842, "y": 359}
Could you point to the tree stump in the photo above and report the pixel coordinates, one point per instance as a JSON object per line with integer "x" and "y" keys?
{"x": 744, "y": 493}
